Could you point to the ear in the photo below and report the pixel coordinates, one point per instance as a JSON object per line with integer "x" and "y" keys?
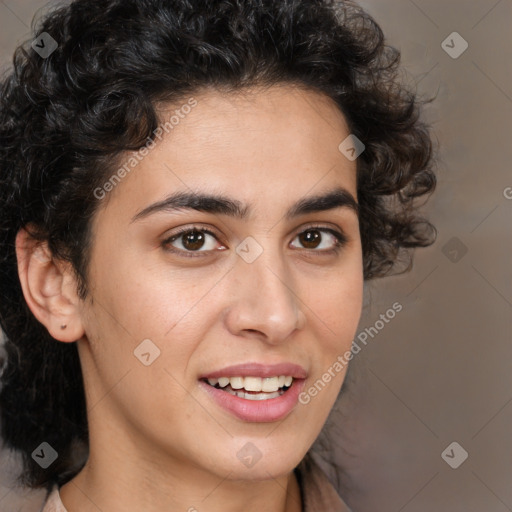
{"x": 49, "y": 288}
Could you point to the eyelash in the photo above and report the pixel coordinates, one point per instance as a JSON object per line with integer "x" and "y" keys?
{"x": 341, "y": 241}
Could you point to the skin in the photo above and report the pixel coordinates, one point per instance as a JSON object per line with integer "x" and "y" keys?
{"x": 157, "y": 441}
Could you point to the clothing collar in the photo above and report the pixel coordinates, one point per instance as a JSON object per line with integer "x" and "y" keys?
{"x": 318, "y": 493}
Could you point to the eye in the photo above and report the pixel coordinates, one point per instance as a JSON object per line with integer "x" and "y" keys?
{"x": 191, "y": 240}
{"x": 322, "y": 239}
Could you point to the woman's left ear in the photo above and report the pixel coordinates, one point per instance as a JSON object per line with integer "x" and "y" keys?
{"x": 49, "y": 287}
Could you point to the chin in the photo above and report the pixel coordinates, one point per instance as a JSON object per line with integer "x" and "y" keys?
{"x": 257, "y": 460}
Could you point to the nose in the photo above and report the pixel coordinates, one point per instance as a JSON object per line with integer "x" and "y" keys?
{"x": 264, "y": 300}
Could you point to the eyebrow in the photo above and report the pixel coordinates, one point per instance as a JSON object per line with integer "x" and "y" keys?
{"x": 220, "y": 204}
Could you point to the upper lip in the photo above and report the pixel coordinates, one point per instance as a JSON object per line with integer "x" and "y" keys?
{"x": 258, "y": 370}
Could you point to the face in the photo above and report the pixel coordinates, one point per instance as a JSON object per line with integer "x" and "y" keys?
{"x": 256, "y": 292}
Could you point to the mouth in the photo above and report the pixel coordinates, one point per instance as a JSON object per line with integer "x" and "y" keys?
{"x": 254, "y": 399}
{"x": 253, "y": 388}
{"x": 255, "y": 392}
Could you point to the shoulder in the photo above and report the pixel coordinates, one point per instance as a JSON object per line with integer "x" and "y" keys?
{"x": 318, "y": 493}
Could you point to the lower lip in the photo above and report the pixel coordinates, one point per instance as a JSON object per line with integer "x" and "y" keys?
{"x": 261, "y": 411}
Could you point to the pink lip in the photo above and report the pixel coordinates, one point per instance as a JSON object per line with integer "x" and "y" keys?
{"x": 258, "y": 411}
{"x": 258, "y": 370}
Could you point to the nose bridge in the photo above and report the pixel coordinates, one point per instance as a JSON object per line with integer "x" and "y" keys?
{"x": 265, "y": 296}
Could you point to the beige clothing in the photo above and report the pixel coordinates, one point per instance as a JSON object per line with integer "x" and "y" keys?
{"x": 318, "y": 494}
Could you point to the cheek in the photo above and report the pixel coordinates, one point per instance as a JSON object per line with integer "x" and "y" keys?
{"x": 130, "y": 308}
{"x": 335, "y": 312}
{"x": 173, "y": 311}
{"x": 337, "y": 299}
{"x": 168, "y": 305}
{"x": 149, "y": 300}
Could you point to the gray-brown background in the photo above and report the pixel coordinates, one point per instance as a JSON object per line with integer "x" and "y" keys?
{"x": 440, "y": 370}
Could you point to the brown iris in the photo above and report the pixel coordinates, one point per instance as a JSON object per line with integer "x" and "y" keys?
{"x": 312, "y": 236}
{"x": 193, "y": 240}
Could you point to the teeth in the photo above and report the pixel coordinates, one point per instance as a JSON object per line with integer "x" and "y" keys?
{"x": 252, "y": 384}
{"x": 270, "y": 384}
{"x": 252, "y": 396}
{"x": 256, "y": 384}
{"x": 236, "y": 382}
{"x": 223, "y": 382}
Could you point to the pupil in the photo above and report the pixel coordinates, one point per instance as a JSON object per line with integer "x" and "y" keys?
{"x": 310, "y": 238}
{"x": 194, "y": 240}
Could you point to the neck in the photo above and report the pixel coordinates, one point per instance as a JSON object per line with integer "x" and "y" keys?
{"x": 119, "y": 477}
{"x": 89, "y": 493}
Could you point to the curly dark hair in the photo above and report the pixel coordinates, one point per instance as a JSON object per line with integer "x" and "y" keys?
{"x": 67, "y": 119}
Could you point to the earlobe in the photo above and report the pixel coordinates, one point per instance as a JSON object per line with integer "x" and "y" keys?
{"x": 48, "y": 289}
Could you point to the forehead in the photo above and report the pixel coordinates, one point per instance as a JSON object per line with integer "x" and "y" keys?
{"x": 259, "y": 144}
{"x": 302, "y": 118}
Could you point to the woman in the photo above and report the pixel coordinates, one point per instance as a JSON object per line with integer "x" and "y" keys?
{"x": 193, "y": 194}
